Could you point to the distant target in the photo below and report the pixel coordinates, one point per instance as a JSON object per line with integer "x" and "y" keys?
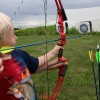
{"x": 84, "y": 28}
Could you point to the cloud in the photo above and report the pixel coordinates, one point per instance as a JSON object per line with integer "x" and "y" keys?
{"x": 33, "y": 10}
{"x": 83, "y": 14}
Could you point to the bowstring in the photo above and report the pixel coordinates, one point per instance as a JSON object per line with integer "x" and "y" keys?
{"x": 46, "y": 45}
{"x": 19, "y": 6}
{"x": 14, "y": 86}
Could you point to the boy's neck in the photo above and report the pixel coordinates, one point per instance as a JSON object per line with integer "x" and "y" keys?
{"x": 5, "y": 56}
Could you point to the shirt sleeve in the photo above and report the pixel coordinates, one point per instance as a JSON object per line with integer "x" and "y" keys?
{"x": 31, "y": 62}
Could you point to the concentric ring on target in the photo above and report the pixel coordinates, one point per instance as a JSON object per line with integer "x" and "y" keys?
{"x": 84, "y": 28}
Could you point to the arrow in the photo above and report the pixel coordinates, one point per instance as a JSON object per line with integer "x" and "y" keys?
{"x": 98, "y": 54}
{"x": 7, "y": 49}
{"x": 98, "y": 61}
{"x": 91, "y": 55}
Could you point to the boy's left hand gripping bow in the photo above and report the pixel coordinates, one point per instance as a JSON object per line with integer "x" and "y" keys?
{"x": 62, "y": 27}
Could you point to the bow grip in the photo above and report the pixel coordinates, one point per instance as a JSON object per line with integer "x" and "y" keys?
{"x": 60, "y": 53}
{"x": 63, "y": 70}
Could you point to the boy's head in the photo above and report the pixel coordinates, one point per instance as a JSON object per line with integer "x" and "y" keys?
{"x": 7, "y": 37}
{"x": 5, "y": 21}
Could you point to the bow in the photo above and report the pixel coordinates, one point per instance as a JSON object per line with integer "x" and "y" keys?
{"x": 62, "y": 27}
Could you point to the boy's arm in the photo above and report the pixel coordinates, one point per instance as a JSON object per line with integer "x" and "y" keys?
{"x": 47, "y": 57}
{"x": 54, "y": 64}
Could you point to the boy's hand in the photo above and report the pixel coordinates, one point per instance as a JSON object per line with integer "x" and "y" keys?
{"x": 1, "y": 66}
{"x": 56, "y": 49}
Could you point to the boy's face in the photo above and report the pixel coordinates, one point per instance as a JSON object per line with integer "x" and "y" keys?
{"x": 9, "y": 38}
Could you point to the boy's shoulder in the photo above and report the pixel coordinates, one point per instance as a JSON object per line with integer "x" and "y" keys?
{"x": 18, "y": 51}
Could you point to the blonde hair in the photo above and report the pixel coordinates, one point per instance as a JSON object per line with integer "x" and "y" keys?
{"x": 5, "y": 21}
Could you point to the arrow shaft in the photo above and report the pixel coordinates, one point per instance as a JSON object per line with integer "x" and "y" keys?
{"x": 99, "y": 78}
{"x": 95, "y": 83}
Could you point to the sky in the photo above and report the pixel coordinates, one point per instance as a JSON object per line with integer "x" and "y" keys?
{"x": 32, "y": 11}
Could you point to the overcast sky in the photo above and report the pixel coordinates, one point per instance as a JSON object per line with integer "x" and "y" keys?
{"x": 33, "y": 9}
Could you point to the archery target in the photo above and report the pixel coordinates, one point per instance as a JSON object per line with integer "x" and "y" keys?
{"x": 84, "y": 27}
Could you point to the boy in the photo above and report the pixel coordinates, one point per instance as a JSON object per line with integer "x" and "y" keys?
{"x": 16, "y": 65}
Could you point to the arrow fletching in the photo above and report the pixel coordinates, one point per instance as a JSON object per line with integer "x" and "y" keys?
{"x": 91, "y": 55}
{"x": 6, "y": 49}
{"x": 98, "y": 54}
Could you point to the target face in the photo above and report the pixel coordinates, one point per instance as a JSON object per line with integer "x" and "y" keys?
{"x": 83, "y": 28}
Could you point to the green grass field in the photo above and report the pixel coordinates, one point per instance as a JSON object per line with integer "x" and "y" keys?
{"x": 79, "y": 81}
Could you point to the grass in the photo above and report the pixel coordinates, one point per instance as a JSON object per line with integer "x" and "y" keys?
{"x": 79, "y": 83}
